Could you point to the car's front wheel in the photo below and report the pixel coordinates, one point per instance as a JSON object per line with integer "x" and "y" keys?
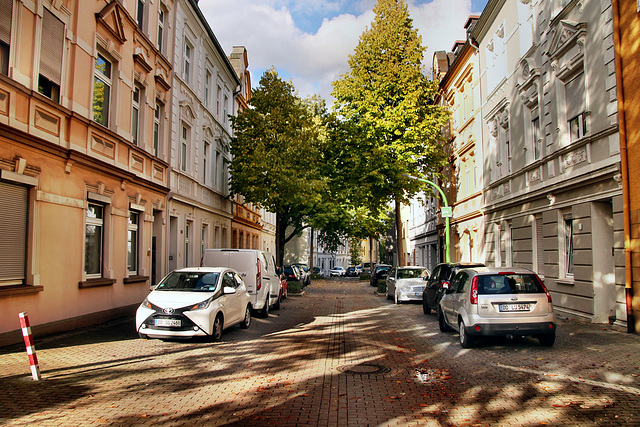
{"x": 217, "y": 328}
{"x": 466, "y": 340}
{"x": 547, "y": 340}
{"x": 246, "y": 322}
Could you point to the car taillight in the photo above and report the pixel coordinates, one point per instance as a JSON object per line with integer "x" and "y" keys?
{"x": 474, "y": 290}
{"x": 546, "y": 291}
{"x": 445, "y": 284}
{"x": 258, "y": 276}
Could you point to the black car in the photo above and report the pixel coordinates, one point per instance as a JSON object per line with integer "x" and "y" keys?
{"x": 380, "y": 271}
{"x": 291, "y": 273}
{"x": 442, "y": 273}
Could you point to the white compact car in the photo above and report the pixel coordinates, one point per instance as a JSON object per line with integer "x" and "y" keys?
{"x": 198, "y": 301}
{"x": 406, "y": 283}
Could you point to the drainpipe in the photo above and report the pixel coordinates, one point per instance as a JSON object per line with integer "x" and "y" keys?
{"x": 624, "y": 165}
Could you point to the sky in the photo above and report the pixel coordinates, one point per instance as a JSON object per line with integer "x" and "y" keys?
{"x": 309, "y": 41}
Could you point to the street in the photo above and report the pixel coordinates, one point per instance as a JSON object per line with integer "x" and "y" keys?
{"x": 337, "y": 355}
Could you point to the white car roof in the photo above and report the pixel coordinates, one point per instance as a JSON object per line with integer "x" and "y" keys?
{"x": 203, "y": 269}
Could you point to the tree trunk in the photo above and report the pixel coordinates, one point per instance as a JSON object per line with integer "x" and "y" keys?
{"x": 399, "y": 245}
{"x": 281, "y": 229}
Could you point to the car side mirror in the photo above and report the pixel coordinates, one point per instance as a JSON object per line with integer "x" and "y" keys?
{"x": 227, "y": 290}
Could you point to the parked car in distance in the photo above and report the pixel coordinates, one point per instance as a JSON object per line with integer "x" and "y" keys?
{"x": 379, "y": 271}
{"x": 258, "y": 270}
{"x": 366, "y": 267}
{"x": 352, "y": 272}
{"x": 292, "y": 274}
{"x": 197, "y": 301}
{"x": 305, "y": 273}
{"x": 442, "y": 275}
{"x": 507, "y": 302}
{"x": 406, "y": 283}
{"x": 337, "y": 271}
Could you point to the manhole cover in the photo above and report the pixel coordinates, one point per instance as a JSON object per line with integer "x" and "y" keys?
{"x": 364, "y": 369}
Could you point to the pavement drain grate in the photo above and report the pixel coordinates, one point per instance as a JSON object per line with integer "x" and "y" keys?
{"x": 430, "y": 376}
{"x": 364, "y": 369}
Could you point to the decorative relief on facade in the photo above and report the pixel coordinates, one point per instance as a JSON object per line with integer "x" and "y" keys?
{"x": 576, "y": 157}
{"x": 534, "y": 175}
{"x": 158, "y": 172}
{"x": 506, "y": 188}
{"x": 47, "y": 122}
{"x": 496, "y": 193}
{"x": 184, "y": 184}
{"x": 137, "y": 163}
{"x": 98, "y": 144}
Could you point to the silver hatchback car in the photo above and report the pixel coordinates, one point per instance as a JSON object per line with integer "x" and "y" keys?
{"x": 508, "y": 302}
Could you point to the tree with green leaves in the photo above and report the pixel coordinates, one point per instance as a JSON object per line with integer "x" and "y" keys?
{"x": 276, "y": 151}
{"x": 389, "y": 123}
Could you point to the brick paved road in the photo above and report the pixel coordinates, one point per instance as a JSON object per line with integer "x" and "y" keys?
{"x": 338, "y": 355}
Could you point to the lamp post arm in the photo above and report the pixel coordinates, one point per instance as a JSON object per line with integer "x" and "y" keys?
{"x": 447, "y": 231}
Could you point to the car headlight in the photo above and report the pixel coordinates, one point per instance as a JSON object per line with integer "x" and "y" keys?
{"x": 405, "y": 288}
{"x": 202, "y": 305}
{"x": 146, "y": 304}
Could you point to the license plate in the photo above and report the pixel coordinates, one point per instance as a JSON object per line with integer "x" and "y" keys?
{"x": 514, "y": 307}
{"x": 170, "y": 323}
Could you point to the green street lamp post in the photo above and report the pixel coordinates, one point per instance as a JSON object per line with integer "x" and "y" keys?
{"x": 446, "y": 212}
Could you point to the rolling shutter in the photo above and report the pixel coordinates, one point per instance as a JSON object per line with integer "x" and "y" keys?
{"x": 6, "y": 9}
{"x": 13, "y": 233}
{"x": 52, "y": 46}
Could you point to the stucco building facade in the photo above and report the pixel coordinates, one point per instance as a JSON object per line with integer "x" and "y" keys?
{"x": 204, "y": 85}
{"x": 84, "y": 91}
{"x": 552, "y": 183}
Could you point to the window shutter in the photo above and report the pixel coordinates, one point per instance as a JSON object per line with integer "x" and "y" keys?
{"x": 13, "y": 232}
{"x": 574, "y": 96}
{"x": 540, "y": 245}
{"x": 6, "y": 9}
{"x": 52, "y": 47}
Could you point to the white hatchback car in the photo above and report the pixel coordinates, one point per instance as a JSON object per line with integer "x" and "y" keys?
{"x": 507, "y": 302}
{"x": 198, "y": 301}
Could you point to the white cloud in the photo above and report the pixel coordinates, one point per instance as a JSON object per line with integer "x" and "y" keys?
{"x": 266, "y": 28}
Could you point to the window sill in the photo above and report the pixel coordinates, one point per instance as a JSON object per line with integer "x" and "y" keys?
{"x": 566, "y": 282}
{"x": 94, "y": 283}
{"x": 135, "y": 279}
{"x": 19, "y": 290}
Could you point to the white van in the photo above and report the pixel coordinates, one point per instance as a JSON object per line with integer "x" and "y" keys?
{"x": 257, "y": 268}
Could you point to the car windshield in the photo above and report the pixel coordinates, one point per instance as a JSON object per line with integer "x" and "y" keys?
{"x": 189, "y": 282}
{"x": 288, "y": 270}
{"x": 410, "y": 273}
{"x": 509, "y": 284}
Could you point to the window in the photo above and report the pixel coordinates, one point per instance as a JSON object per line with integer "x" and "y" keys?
{"x": 184, "y": 141}
{"x": 156, "y": 131}
{"x": 207, "y": 89}
{"x": 507, "y": 147}
{"x": 226, "y": 105}
{"x": 218, "y": 169}
{"x": 13, "y": 229}
{"x": 94, "y": 240}
{"x": 135, "y": 115}
{"x": 204, "y": 237}
{"x": 535, "y": 138}
{"x": 6, "y": 12}
{"x": 205, "y": 163}
{"x": 51, "y": 48}
{"x": 576, "y": 107}
{"x": 218, "y": 94}
{"x": 187, "y": 61}
{"x": 187, "y": 244}
{"x": 101, "y": 90}
{"x": 133, "y": 242}
{"x": 140, "y": 14}
{"x": 568, "y": 246}
{"x": 161, "y": 17}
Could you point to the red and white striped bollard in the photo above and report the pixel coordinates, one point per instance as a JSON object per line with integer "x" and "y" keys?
{"x": 28, "y": 342}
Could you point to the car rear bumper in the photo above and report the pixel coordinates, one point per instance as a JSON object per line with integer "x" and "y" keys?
{"x": 517, "y": 329}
